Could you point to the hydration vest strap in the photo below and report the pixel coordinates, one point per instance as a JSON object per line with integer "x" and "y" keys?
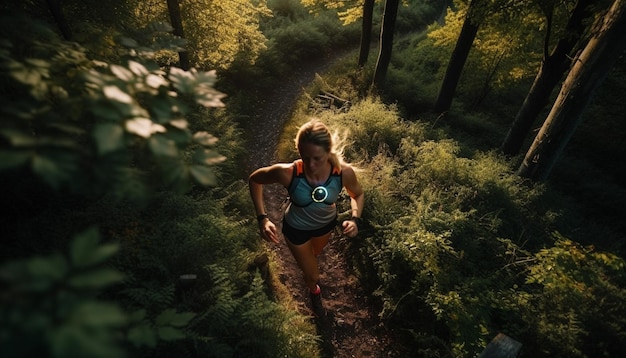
{"x": 298, "y": 168}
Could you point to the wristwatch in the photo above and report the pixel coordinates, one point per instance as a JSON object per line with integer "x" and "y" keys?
{"x": 262, "y": 217}
{"x": 358, "y": 221}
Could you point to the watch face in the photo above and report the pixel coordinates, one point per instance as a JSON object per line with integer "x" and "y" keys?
{"x": 319, "y": 194}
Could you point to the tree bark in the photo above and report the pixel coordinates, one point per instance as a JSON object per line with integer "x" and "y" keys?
{"x": 457, "y": 60}
{"x": 587, "y": 73}
{"x": 386, "y": 42}
{"x": 59, "y": 18}
{"x": 366, "y": 31}
{"x": 550, "y": 73}
{"x": 174, "y": 9}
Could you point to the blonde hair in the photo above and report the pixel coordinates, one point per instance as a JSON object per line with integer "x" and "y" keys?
{"x": 318, "y": 133}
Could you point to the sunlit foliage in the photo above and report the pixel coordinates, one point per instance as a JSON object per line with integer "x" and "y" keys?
{"x": 78, "y": 123}
{"x": 221, "y": 31}
{"x": 217, "y": 32}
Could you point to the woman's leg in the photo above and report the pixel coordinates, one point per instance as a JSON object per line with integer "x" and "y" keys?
{"x": 306, "y": 257}
{"x": 319, "y": 243}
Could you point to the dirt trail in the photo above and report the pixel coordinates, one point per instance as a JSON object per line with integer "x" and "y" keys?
{"x": 351, "y": 328}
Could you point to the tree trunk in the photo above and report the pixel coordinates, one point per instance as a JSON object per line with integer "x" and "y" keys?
{"x": 457, "y": 61}
{"x": 550, "y": 73}
{"x": 386, "y": 41}
{"x": 174, "y": 9}
{"x": 366, "y": 31}
{"x": 59, "y": 18}
{"x": 587, "y": 73}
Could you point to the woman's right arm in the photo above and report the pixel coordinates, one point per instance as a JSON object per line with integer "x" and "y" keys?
{"x": 277, "y": 173}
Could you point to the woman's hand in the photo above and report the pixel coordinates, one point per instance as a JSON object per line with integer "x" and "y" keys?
{"x": 268, "y": 231}
{"x": 350, "y": 228}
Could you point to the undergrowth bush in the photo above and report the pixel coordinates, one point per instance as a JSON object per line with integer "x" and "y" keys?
{"x": 199, "y": 236}
{"x": 454, "y": 241}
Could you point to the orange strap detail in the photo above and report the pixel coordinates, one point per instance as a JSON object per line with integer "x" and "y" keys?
{"x": 299, "y": 167}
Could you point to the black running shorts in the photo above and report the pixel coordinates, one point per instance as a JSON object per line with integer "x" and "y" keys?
{"x": 299, "y": 237}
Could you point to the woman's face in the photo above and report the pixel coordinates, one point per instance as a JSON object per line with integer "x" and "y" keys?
{"x": 315, "y": 157}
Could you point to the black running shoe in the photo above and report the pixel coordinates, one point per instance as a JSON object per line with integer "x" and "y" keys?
{"x": 316, "y": 304}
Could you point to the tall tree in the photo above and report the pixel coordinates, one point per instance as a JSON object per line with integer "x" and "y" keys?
{"x": 366, "y": 31}
{"x": 551, "y": 71}
{"x": 57, "y": 13}
{"x": 173, "y": 8}
{"x": 458, "y": 58}
{"x": 587, "y": 73}
{"x": 386, "y": 41}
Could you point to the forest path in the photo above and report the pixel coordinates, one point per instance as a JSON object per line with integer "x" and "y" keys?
{"x": 352, "y": 327}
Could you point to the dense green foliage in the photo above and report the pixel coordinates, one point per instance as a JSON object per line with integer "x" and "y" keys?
{"x": 114, "y": 245}
{"x": 110, "y": 248}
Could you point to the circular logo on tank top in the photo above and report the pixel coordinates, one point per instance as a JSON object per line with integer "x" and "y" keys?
{"x": 319, "y": 194}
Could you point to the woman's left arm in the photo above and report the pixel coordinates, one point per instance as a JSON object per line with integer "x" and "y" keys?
{"x": 357, "y": 200}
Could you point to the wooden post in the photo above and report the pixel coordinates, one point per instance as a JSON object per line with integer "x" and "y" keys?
{"x": 501, "y": 346}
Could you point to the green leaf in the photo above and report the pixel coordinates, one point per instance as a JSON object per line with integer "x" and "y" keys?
{"x": 13, "y": 159}
{"x": 106, "y": 111}
{"x": 30, "y": 75}
{"x": 115, "y": 93}
{"x": 155, "y": 81}
{"x": 137, "y": 68}
{"x": 179, "y": 136}
{"x": 174, "y": 172}
{"x": 85, "y": 250}
{"x": 82, "y": 245}
{"x": 182, "y": 319}
{"x": 122, "y": 73}
{"x": 98, "y": 314}
{"x": 96, "y": 279}
{"x": 36, "y": 274}
{"x": 143, "y": 335}
{"x": 162, "y": 146}
{"x": 182, "y": 80}
{"x": 138, "y": 315}
{"x": 170, "y": 333}
{"x": 171, "y": 318}
{"x": 181, "y": 124}
{"x": 67, "y": 128}
{"x": 205, "y": 138}
{"x": 128, "y": 42}
{"x": 53, "y": 169}
{"x": 165, "y": 317}
{"x": 209, "y": 99}
{"x": 18, "y": 138}
{"x": 109, "y": 137}
{"x": 207, "y": 157}
{"x": 143, "y": 127}
{"x": 90, "y": 331}
{"x": 203, "y": 175}
{"x": 54, "y": 267}
{"x": 74, "y": 341}
{"x": 162, "y": 109}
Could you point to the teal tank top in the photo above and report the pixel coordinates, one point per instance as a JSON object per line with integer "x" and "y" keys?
{"x": 312, "y": 207}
